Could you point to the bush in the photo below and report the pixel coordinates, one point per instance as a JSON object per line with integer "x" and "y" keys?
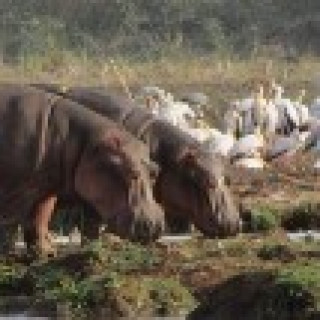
{"x": 156, "y": 296}
{"x": 290, "y": 293}
{"x": 263, "y": 218}
{"x": 304, "y": 216}
{"x": 56, "y": 285}
{"x": 296, "y": 292}
{"x": 11, "y": 280}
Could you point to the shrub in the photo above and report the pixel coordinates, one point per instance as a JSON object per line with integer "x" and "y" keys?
{"x": 296, "y": 292}
{"x": 304, "y": 216}
{"x": 290, "y": 293}
{"x": 11, "y": 279}
{"x": 156, "y": 296}
{"x": 263, "y": 218}
{"x": 59, "y": 286}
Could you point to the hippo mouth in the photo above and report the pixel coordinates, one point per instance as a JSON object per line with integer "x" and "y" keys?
{"x": 216, "y": 214}
{"x": 146, "y": 225}
{"x": 134, "y": 226}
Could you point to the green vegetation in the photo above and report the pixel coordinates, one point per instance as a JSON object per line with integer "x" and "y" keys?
{"x": 11, "y": 279}
{"x": 155, "y": 295}
{"x": 155, "y": 29}
{"x": 102, "y": 275}
{"x": 126, "y": 257}
{"x": 264, "y": 218}
{"x": 264, "y": 277}
{"x": 296, "y": 292}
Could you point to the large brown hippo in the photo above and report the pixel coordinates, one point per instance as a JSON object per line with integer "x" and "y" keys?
{"x": 51, "y": 146}
{"x": 191, "y": 183}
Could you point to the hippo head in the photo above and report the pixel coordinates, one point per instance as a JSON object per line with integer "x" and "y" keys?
{"x": 215, "y": 213}
{"x": 113, "y": 176}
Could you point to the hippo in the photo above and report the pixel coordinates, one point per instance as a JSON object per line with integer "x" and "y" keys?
{"x": 51, "y": 146}
{"x": 191, "y": 184}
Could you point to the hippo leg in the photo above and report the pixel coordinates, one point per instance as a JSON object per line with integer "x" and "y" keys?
{"x": 43, "y": 213}
{"x": 37, "y": 232}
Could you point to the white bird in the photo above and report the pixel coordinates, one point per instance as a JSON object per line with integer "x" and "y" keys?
{"x": 302, "y": 110}
{"x": 313, "y": 138}
{"x": 163, "y": 105}
{"x": 252, "y": 111}
{"x": 151, "y": 91}
{"x": 219, "y": 143}
{"x": 176, "y": 112}
{"x": 199, "y": 134}
{"x": 254, "y": 163}
{"x": 303, "y": 114}
{"x": 315, "y": 109}
{"x": 203, "y": 134}
{"x": 232, "y": 118}
{"x": 149, "y": 98}
{"x": 271, "y": 118}
{"x": 196, "y": 99}
{"x": 286, "y": 144}
{"x": 244, "y": 109}
{"x": 248, "y": 145}
{"x": 288, "y": 115}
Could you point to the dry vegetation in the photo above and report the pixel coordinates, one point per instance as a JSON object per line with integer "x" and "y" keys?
{"x": 221, "y": 79}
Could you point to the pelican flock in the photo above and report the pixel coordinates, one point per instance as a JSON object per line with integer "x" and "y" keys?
{"x": 256, "y": 129}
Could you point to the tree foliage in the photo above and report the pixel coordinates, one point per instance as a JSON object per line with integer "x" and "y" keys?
{"x": 140, "y": 28}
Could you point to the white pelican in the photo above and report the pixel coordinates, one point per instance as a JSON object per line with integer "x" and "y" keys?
{"x": 149, "y": 97}
{"x": 204, "y": 134}
{"x": 287, "y": 144}
{"x": 232, "y": 118}
{"x": 248, "y": 145}
{"x": 163, "y": 105}
{"x": 315, "y": 109}
{"x": 176, "y": 112}
{"x": 302, "y": 110}
{"x": 252, "y": 111}
{"x": 219, "y": 143}
{"x": 313, "y": 139}
{"x": 271, "y": 118}
{"x": 254, "y": 163}
{"x": 288, "y": 115}
{"x": 196, "y": 99}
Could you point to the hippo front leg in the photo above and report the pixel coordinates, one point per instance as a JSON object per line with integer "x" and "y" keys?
{"x": 43, "y": 213}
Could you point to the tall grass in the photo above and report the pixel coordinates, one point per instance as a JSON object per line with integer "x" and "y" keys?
{"x": 223, "y": 79}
